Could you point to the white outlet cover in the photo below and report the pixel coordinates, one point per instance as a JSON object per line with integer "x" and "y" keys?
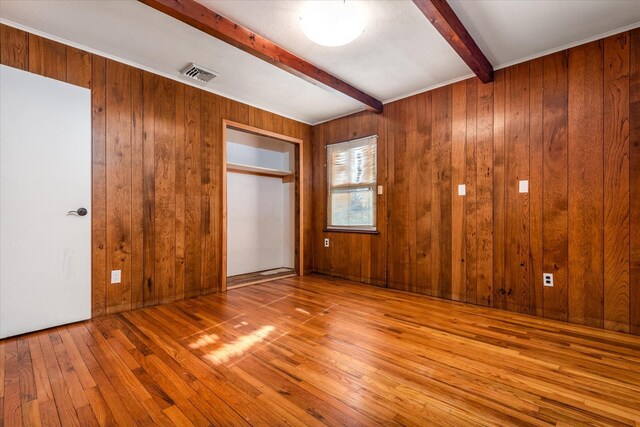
{"x": 547, "y": 280}
{"x": 462, "y": 190}
{"x": 380, "y": 190}
{"x": 524, "y": 186}
{"x": 326, "y": 243}
{"x": 116, "y": 276}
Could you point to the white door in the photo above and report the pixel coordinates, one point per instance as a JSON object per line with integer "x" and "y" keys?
{"x": 45, "y": 172}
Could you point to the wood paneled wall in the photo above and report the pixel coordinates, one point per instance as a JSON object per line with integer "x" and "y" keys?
{"x": 569, "y": 123}
{"x": 157, "y": 172}
{"x": 363, "y": 256}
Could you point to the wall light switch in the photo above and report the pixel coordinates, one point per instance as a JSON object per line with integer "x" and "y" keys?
{"x": 524, "y": 186}
{"x": 326, "y": 243}
{"x": 116, "y": 276}
{"x": 462, "y": 190}
{"x": 547, "y": 280}
{"x": 379, "y": 190}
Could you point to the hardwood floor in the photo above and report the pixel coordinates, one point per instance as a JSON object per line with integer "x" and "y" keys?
{"x": 312, "y": 351}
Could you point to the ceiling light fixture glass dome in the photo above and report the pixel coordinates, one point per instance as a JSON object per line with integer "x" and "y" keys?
{"x": 332, "y": 22}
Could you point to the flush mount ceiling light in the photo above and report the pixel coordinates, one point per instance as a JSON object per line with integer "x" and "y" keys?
{"x": 332, "y": 22}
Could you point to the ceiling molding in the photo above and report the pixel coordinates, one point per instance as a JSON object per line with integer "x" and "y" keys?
{"x": 204, "y": 19}
{"x": 444, "y": 19}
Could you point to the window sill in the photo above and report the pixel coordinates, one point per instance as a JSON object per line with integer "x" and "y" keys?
{"x": 345, "y": 230}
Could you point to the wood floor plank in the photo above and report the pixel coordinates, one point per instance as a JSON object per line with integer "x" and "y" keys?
{"x": 12, "y": 414}
{"x": 61, "y": 394}
{"x": 3, "y": 346}
{"x": 68, "y": 373}
{"x": 317, "y": 351}
{"x": 27, "y": 380}
{"x": 104, "y": 393}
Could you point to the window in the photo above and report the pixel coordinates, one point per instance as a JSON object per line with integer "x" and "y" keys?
{"x": 351, "y": 179}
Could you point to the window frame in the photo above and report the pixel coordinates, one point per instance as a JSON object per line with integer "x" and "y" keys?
{"x": 372, "y": 229}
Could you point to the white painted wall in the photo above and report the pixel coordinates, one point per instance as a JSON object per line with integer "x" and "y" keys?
{"x": 260, "y": 210}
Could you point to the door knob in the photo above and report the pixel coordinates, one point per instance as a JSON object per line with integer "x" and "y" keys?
{"x": 79, "y": 212}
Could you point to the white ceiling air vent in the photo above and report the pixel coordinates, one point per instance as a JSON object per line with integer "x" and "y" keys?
{"x": 199, "y": 73}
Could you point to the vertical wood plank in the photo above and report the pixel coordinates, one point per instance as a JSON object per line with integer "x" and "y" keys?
{"x": 471, "y": 224}
{"x": 424, "y": 267}
{"x": 331, "y": 252}
{"x": 585, "y": 185}
{"x": 341, "y": 240}
{"x": 47, "y": 58}
{"x": 412, "y": 194}
{"x": 219, "y": 261}
{"x": 399, "y": 271}
{"x": 441, "y": 193}
{"x": 14, "y": 47}
{"x": 367, "y": 126}
{"x": 165, "y": 198}
{"x": 499, "y": 190}
{"x": 634, "y": 178}
{"x": 208, "y": 204}
{"x": 517, "y": 140}
{"x": 381, "y": 257}
{"x": 320, "y": 253}
{"x": 137, "y": 190}
{"x": 536, "y": 150}
{"x": 616, "y": 182}
{"x": 149, "y": 292}
{"x": 307, "y": 198}
{"x": 555, "y": 184}
{"x": 78, "y": 67}
{"x": 193, "y": 198}
{"x": 180, "y": 189}
{"x": 118, "y": 145}
{"x": 484, "y": 149}
{"x": 98, "y": 188}
{"x": 458, "y": 143}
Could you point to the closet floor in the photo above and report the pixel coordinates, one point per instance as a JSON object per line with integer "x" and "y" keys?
{"x": 258, "y": 277}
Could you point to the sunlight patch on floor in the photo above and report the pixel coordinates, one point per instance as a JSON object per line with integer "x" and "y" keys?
{"x": 204, "y": 340}
{"x": 239, "y": 346}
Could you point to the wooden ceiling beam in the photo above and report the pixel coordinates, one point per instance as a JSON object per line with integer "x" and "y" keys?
{"x": 444, "y": 19}
{"x": 198, "y": 16}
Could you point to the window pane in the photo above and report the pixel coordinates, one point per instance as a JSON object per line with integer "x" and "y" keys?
{"x": 353, "y": 207}
{"x": 340, "y": 167}
{"x": 362, "y": 165}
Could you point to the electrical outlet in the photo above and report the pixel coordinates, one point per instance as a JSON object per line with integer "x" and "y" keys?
{"x": 326, "y": 243}
{"x": 462, "y": 190}
{"x": 116, "y": 276}
{"x": 547, "y": 280}
{"x": 380, "y": 190}
{"x": 524, "y": 186}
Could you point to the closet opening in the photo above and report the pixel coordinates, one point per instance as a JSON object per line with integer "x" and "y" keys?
{"x": 262, "y": 231}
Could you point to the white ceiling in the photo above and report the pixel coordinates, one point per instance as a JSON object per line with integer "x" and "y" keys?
{"x": 399, "y": 53}
{"x": 511, "y": 31}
